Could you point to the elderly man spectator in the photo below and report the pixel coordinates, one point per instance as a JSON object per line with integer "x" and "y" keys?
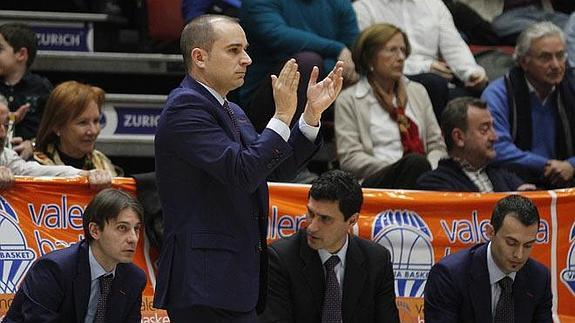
{"x": 438, "y": 56}
{"x": 467, "y": 127}
{"x": 533, "y": 110}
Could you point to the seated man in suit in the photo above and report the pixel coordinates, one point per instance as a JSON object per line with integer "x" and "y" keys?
{"x": 495, "y": 281}
{"x": 93, "y": 280}
{"x": 325, "y": 274}
{"x": 467, "y": 128}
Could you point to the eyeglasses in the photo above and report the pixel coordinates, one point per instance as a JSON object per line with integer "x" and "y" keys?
{"x": 547, "y": 57}
{"x": 395, "y": 51}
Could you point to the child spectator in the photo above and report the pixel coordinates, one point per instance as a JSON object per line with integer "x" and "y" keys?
{"x": 26, "y": 92}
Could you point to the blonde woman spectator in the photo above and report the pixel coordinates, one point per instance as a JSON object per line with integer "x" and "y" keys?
{"x": 69, "y": 129}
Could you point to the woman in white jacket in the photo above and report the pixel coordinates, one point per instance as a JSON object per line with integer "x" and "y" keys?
{"x": 386, "y": 131}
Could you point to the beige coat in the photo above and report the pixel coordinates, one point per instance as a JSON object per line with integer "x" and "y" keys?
{"x": 352, "y": 128}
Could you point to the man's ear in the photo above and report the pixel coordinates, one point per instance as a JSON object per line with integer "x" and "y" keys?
{"x": 199, "y": 57}
{"x": 353, "y": 219}
{"x": 458, "y": 137}
{"x": 489, "y": 231}
{"x": 94, "y": 230}
{"x": 22, "y": 55}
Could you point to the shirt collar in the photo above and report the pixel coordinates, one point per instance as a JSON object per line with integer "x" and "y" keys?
{"x": 532, "y": 90}
{"x": 213, "y": 92}
{"x": 324, "y": 255}
{"x": 495, "y": 274}
{"x": 96, "y": 270}
{"x": 466, "y": 166}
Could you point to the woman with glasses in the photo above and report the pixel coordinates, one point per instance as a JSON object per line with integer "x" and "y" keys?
{"x": 386, "y": 132}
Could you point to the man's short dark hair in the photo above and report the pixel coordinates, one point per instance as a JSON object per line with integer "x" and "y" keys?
{"x": 455, "y": 116}
{"x": 517, "y": 206}
{"x": 21, "y": 36}
{"x": 199, "y": 33}
{"x": 337, "y": 185}
{"x": 107, "y": 205}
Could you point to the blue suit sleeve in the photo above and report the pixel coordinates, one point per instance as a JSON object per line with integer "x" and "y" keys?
{"x": 441, "y": 301}
{"x": 43, "y": 293}
{"x": 201, "y": 141}
{"x": 507, "y": 152}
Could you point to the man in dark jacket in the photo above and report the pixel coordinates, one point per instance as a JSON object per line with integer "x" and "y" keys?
{"x": 467, "y": 128}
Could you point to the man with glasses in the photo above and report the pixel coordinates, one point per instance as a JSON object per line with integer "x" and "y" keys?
{"x": 533, "y": 110}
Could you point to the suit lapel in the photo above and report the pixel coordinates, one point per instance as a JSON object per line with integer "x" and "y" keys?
{"x": 313, "y": 272}
{"x": 522, "y": 298}
{"x": 82, "y": 282}
{"x": 118, "y": 296}
{"x": 480, "y": 288}
{"x": 354, "y": 279}
{"x": 222, "y": 115}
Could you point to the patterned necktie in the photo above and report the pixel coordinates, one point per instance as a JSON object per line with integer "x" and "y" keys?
{"x": 331, "y": 312}
{"x": 504, "y": 312}
{"x": 105, "y": 288}
{"x": 232, "y": 116}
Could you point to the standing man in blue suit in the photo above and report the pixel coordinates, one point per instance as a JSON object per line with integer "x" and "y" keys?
{"x": 92, "y": 281}
{"x": 496, "y": 281}
{"x": 212, "y": 167}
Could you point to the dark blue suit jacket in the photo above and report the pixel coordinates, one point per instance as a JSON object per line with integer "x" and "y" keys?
{"x": 297, "y": 283}
{"x": 448, "y": 176}
{"x": 458, "y": 290}
{"x": 57, "y": 289}
{"x": 214, "y": 195}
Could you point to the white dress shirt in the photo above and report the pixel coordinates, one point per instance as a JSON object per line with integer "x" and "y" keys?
{"x": 430, "y": 29}
{"x": 339, "y": 269}
{"x": 96, "y": 271}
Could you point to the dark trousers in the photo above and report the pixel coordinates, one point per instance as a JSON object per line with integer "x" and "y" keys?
{"x": 402, "y": 174}
{"x": 205, "y": 314}
{"x": 261, "y": 107}
{"x": 440, "y": 91}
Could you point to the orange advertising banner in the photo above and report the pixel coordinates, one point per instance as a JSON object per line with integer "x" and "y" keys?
{"x": 40, "y": 215}
{"x": 419, "y": 228}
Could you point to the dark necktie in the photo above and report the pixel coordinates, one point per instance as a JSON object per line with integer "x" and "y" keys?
{"x": 232, "y": 116}
{"x": 504, "y": 311}
{"x": 105, "y": 288}
{"x": 331, "y": 312}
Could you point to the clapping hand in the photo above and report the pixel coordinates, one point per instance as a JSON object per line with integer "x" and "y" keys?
{"x": 321, "y": 95}
{"x": 285, "y": 91}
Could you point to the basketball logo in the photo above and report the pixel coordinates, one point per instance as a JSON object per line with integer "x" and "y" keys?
{"x": 15, "y": 256}
{"x": 568, "y": 274}
{"x": 408, "y": 238}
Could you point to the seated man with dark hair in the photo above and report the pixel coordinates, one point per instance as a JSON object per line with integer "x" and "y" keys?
{"x": 92, "y": 280}
{"x": 495, "y": 281}
{"x": 325, "y": 274}
{"x": 467, "y": 128}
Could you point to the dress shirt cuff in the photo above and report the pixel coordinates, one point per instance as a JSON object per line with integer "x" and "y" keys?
{"x": 280, "y": 128}
{"x": 310, "y": 132}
